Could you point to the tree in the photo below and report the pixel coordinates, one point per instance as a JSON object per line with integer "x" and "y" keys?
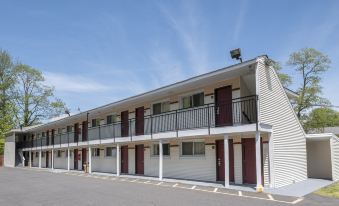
{"x": 320, "y": 118}
{"x": 311, "y": 64}
{"x": 7, "y": 82}
{"x": 285, "y": 79}
{"x": 34, "y": 100}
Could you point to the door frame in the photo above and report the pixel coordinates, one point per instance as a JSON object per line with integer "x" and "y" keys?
{"x": 75, "y": 159}
{"x": 139, "y": 121}
{"x": 245, "y": 162}
{"x": 231, "y": 157}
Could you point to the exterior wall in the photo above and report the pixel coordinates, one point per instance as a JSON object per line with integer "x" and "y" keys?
{"x": 43, "y": 160}
{"x": 289, "y": 143}
{"x": 60, "y": 162}
{"x": 9, "y": 153}
{"x": 35, "y": 162}
{"x": 177, "y": 166}
{"x": 335, "y": 157}
{"x": 131, "y": 160}
{"x": 104, "y": 163}
{"x": 319, "y": 159}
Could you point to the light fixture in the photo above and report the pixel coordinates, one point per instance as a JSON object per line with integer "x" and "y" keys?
{"x": 236, "y": 54}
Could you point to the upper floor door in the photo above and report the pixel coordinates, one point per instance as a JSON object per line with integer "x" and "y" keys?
{"x": 84, "y": 131}
{"x": 139, "y": 121}
{"x": 76, "y": 132}
{"x": 223, "y": 106}
{"x": 124, "y": 124}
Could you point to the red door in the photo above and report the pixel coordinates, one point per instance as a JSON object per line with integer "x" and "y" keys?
{"x": 221, "y": 160}
{"x": 53, "y": 131}
{"x": 75, "y": 159}
{"x": 84, "y": 130}
{"x": 139, "y": 159}
{"x": 84, "y": 157}
{"x": 47, "y": 159}
{"x": 124, "y": 124}
{"x": 124, "y": 159}
{"x": 139, "y": 121}
{"x": 223, "y": 106}
{"x": 249, "y": 165}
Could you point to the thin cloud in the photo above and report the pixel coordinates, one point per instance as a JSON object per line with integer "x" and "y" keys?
{"x": 240, "y": 20}
{"x": 74, "y": 83}
{"x": 185, "y": 26}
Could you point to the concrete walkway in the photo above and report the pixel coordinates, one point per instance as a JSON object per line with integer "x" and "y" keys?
{"x": 300, "y": 189}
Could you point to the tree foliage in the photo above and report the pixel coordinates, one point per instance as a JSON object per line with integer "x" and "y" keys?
{"x": 285, "y": 79}
{"x": 311, "y": 64}
{"x": 320, "y": 118}
{"x": 7, "y": 82}
{"x": 34, "y": 100}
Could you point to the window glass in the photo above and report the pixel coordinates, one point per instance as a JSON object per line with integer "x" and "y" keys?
{"x": 95, "y": 152}
{"x": 69, "y": 128}
{"x": 42, "y": 154}
{"x": 186, "y": 102}
{"x": 165, "y": 149}
{"x": 109, "y": 151}
{"x": 157, "y": 108}
{"x": 187, "y": 148}
{"x": 198, "y": 100}
{"x": 59, "y": 153}
{"x": 199, "y": 148}
{"x": 37, "y": 154}
{"x": 94, "y": 122}
{"x": 165, "y": 107}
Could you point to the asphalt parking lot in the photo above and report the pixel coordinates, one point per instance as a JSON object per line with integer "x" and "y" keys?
{"x": 35, "y": 187}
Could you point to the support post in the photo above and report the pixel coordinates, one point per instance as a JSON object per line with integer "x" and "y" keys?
{"x": 30, "y": 159}
{"x": 52, "y": 159}
{"x": 226, "y": 161}
{"x": 160, "y": 160}
{"x": 259, "y": 186}
{"x": 68, "y": 159}
{"x": 118, "y": 160}
{"x": 89, "y": 160}
{"x": 40, "y": 159}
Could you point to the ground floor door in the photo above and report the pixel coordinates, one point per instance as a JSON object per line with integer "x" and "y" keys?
{"x": 84, "y": 158}
{"x": 75, "y": 158}
{"x": 221, "y": 160}
{"x": 249, "y": 161}
{"x": 47, "y": 159}
{"x": 124, "y": 159}
{"x": 26, "y": 155}
{"x": 139, "y": 159}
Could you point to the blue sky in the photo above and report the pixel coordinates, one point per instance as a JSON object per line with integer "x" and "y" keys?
{"x": 96, "y": 52}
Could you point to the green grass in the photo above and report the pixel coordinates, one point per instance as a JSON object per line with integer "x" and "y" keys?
{"x": 329, "y": 191}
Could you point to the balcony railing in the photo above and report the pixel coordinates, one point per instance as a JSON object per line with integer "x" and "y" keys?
{"x": 241, "y": 111}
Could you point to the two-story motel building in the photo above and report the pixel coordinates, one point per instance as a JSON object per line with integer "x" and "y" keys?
{"x": 234, "y": 125}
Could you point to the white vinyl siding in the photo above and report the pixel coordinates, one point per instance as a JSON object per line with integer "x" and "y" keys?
{"x": 335, "y": 157}
{"x": 289, "y": 141}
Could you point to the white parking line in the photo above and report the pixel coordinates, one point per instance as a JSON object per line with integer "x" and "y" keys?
{"x": 297, "y": 201}
{"x": 270, "y": 197}
{"x": 193, "y": 187}
{"x": 239, "y": 193}
{"x": 134, "y": 180}
{"x": 215, "y": 190}
{"x": 159, "y": 183}
{"x": 176, "y": 184}
{"x": 147, "y": 182}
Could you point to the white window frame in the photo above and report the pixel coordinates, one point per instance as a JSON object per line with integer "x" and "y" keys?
{"x": 113, "y": 150}
{"x": 189, "y": 94}
{"x": 160, "y": 101}
{"x": 157, "y": 144}
{"x": 116, "y": 118}
{"x": 193, "y": 155}
{"x": 59, "y": 153}
{"x": 94, "y": 152}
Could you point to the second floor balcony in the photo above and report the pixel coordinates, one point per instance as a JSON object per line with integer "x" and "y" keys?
{"x": 239, "y": 111}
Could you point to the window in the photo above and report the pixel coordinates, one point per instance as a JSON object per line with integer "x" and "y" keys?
{"x": 59, "y": 153}
{"x": 110, "y": 152}
{"x": 42, "y": 154}
{"x": 43, "y": 134}
{"x": 69, "y": 128}
{"x": 165, "y": 149}
{"x": 192, "y": 148}
{"x": 59, "y": 130}
{"x": 111, "y": 119}
{"x": 161, "y": 107}
{"x": 194, "y": 100}
{"x": 37, "y": 154}
{"x": 95, "y": 122}
{"x": 95, "y": 152}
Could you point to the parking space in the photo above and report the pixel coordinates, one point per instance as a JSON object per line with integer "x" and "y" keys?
{"x": 42, "y": 187}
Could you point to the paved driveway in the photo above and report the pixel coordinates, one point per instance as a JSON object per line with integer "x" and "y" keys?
{"x": 32, "y": 187}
